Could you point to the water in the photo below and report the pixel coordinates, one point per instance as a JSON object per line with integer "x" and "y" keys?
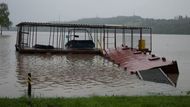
{"x": 85, "y": 75}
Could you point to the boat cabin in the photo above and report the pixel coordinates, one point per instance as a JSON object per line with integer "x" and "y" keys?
{"x": 79, "y": 39}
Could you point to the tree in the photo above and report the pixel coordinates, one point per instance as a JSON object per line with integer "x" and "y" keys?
{"x": 4, "y": 16}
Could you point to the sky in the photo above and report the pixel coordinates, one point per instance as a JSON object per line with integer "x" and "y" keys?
{"x": 69, "y": 10}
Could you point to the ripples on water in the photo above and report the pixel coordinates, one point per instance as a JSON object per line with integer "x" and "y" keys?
{"x": 70, "y": 72}
{"x": 67, "y": 75}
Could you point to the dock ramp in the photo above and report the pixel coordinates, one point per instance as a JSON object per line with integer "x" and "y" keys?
{"x": 155, "y": 75}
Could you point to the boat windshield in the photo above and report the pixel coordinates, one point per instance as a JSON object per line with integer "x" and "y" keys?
{"x": 79, "y": 34}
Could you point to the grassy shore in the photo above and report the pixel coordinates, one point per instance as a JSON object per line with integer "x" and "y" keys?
{"x": 112, "y": 101}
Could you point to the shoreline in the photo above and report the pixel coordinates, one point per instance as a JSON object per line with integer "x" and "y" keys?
{"x": 96, "y": 101}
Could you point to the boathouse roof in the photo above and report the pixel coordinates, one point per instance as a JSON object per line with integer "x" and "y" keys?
{"x": 108, "y": 26}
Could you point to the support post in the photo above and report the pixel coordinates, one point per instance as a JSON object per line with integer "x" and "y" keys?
{"x": 36, "y": 35}
{"x": 150, "y": 39}
{"x": 19, "y": 37}
{"x": 107, "y": 38}
{"x": 123, "y": 38}
{"x": 74, "y": 35}
{"x": 57, "y": 41}
{"x": 104, "y": 38}
{"x": 29, "y": 36}
{"x": 60, "y": 37}
{"x": 29, "y": 85}
{"x": 140, "y": 34}
{"x": 63, "y": 44}
{"x": 50, "y": 35}
{"x": 32, "y": 35}
{"x": 53, "y": 36}
{"x": 115, "y": 39}
{"x": 131, "y": 38}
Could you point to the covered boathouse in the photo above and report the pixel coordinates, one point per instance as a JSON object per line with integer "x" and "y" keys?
{"x": 58, "y": 35}
{"x": 128, "y": 47}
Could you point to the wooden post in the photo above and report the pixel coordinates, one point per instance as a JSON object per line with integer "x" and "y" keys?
{"x": 29, "y": 85}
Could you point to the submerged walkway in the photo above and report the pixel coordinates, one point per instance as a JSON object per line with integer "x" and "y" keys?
{"x": 133, "y": 60}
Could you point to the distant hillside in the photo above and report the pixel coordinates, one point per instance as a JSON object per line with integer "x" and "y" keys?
{"x": 178, "y": 25}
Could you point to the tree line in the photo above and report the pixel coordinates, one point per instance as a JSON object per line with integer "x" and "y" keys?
{"x": 4, "y": 17}
{"x": 177, "y": 25}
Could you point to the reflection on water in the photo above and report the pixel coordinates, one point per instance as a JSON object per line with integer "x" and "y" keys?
{"x": 67, "y": 75}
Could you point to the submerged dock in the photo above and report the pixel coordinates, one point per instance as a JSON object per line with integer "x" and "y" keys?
{"x": 128, "y": 47}
{"x": 140, "y": 62}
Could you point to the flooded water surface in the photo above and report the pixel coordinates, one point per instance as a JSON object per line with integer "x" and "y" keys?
{"x": 75, "y": 75}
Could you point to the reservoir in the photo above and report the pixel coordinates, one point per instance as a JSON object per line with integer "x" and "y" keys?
{"x": 75, "y": 75}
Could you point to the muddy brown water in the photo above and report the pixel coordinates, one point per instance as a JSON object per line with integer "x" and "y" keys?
{"x": 76, "y": 75}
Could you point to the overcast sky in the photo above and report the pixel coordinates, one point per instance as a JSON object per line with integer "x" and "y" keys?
{"x": 67, "y": 10}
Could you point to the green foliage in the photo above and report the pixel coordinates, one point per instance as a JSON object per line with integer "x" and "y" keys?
{"x": 179, "y": 25}
{"x": 4, "y": 16}
{"x": 106, "y": 101}
{"x": 188, "y": 92}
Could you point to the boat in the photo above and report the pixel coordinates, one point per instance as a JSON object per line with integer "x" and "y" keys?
{"x": 78, "y": 42}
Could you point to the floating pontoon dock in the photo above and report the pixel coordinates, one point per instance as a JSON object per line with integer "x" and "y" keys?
{"x": 128, "y": 47}
{"x": 104, "y": 36}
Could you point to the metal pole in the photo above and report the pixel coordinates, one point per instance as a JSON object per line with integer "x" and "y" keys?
{"x": 63, "y": 44}
{"x": 50, "y": 36}
{"x": 97, "y": 39}
{"x": 20, "y": 37}
{"x": 131, "y": 38}
{"x": 104, "y": 39}
{"x": 23, "y": 31}
{"x": 36, "y": 35}
{"x": 29, "y": 34}
{"x": 140, "y": 34}
{"x": 57, "y": 37}
{"x": 151, "y": 39}
{"x": 124, "y": 37}
{"x": 53, "y": 36}
{"x": 115, "y": 38}
{"x": 32, "y": 35}
{"x": 107, "y": 39}
{"x": 60, "y": 37}
{"x": 74, "y": 34}
{"x": 28, "y": 37}
{"x": 94, "y": 38}
{"x": 85, "y": 34}
{"x": 100, "y": 38}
